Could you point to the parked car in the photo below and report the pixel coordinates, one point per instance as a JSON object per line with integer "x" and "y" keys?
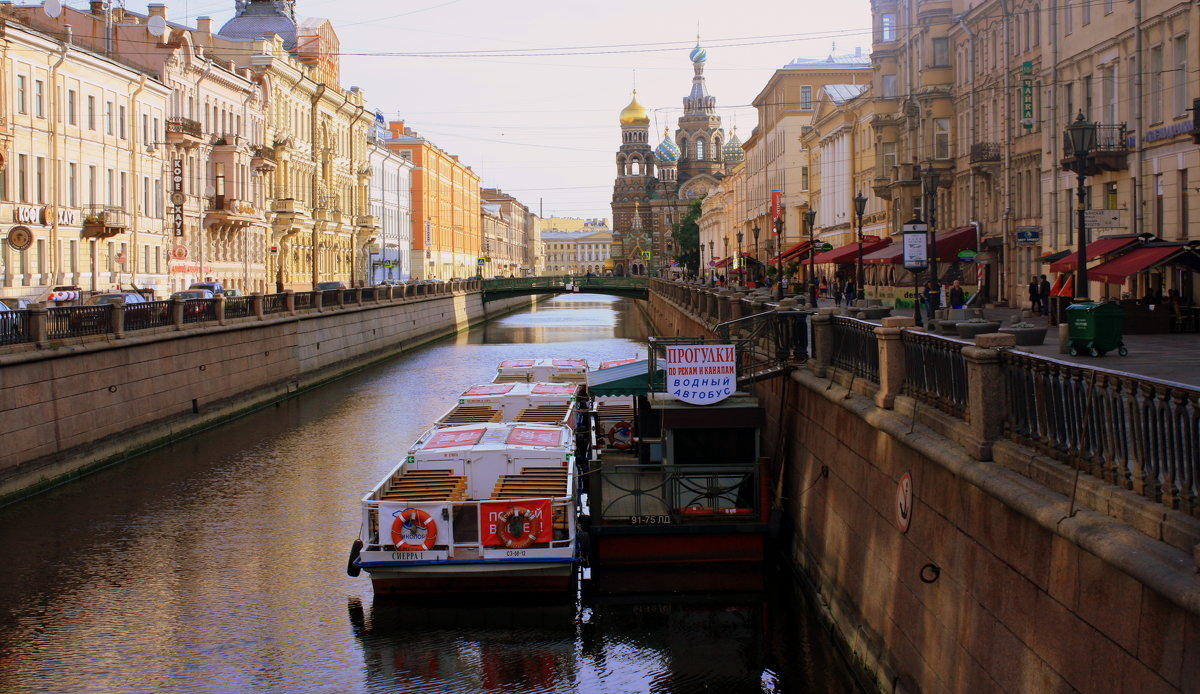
{"x": 233, "y": 292}
{"x": 80, "y": 320}
{"x": 214, "y": 287}
{"x": 326, "y": 286}
{"x": 14, "y": 303}
{"x": 193, "y": 301}
{"x": 187, "y": 294}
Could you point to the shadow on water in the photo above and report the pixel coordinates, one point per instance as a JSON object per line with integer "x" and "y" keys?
{"x": 216, "y": 564}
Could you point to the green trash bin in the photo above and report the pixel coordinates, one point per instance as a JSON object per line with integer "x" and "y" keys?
{"x": 1095, "y": 328}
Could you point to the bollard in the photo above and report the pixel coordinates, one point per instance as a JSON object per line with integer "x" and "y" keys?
{"x": 39, "y": 324}
{"x": 891, "y": 359}
{"x": 985, "y": 392}
{"x": 289, "y": 301}
{"x": 177, "y": 313}
{"x": 219, "y": 308}
{"x": 256, "y": 305}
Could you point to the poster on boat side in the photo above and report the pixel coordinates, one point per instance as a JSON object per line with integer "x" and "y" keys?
{"x": 515, "y": 524}
{"x": 701, "y": 374}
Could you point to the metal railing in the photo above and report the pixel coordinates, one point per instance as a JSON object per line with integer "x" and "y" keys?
{"x": 305, "y": 300}
{"x": 14, "y": 327}
{"x": 74, "y": 321}
{"x": 274, "y": 303}
{"x": 329, "y": 297}
{"x": 152, "y": 314}
{"x": 1140, "y": 433}
{"x": 682, "y": 493}
{"x": 935, "y": 371}
{"x": 238, "y": 306}
{"x": 771, "y": 338}
{"x": 199, "y": 310}
{"x": 349, "y": 296}
{"x": 855, "y": 347}
{"x": 368, "y": 294}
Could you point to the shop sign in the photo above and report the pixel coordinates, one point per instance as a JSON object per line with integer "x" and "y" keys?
{"x": 967, "y": 256}
{"x": 916, "y": 245}
{"x": 776, "y": 204}
{"x": 1028, "y": 236}
{"x": 177, "y": 220}
{"x": 701, "y": 374}
{"x": 20, "y": 238}
{"x": 1027, "y": 95}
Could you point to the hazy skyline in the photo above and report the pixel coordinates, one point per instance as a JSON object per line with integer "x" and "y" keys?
{"x": 528, "y": 93}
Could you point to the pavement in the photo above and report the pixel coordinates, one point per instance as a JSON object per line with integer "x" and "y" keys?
{"x": 1164, "y": 356}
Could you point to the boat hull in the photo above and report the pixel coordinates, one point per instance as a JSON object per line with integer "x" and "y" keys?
{"x": 469, "y": 577}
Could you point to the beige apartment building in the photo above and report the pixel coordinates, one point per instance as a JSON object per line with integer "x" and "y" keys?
{"x": 211, "y": 139}
{"x": 579, "y": 252}
{"x": 81, "y": 193}
{"x": 508, "y": 228}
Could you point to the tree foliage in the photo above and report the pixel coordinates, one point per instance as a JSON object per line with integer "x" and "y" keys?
{"x": 687, "y": 238}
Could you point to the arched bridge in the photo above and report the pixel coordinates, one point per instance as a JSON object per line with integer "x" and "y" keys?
{"x": 634, "y": 287}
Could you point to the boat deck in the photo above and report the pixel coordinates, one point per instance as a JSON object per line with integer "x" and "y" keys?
{"x": 545, "y": 414}
{"x": 533, "y": 482}
{"x": 471, "y": 414}
{"x": 426, "y": 485}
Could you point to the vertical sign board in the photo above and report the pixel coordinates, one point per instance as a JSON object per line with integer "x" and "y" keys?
{"x": 1027, "y": 95}
{"x": 177, "y": 196}
{"x": 916, "y": 246}
{"x": 776, "y": 209}
{"x": 701, "y": 374}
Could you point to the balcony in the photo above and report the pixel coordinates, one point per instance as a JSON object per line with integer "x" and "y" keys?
{"x": 985, "y": 158}
{"x": 226, "y": 210}
{"x": 289, "y": 206}
{"x": 101, "y": 222}
{"x": 263, "y": 160}
{"x": 1111, "y": 152}
{"x": 367, "y": 222}
{"x": 184, "y": 132}
{"x": 882, "y": 186}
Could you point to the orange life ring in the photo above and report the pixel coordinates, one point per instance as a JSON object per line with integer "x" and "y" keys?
{"x": 621, "y": 436}
{"x": 413, "y": 530}
{"x": 528, "y": 527}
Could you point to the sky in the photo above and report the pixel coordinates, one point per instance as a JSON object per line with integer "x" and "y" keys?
{"x": 528, "y": 93}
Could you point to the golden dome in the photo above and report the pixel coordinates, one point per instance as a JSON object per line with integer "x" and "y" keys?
{"x": 635, "y": 113}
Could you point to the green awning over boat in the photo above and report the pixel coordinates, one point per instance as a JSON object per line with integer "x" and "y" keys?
{"x": 626, "y": 379}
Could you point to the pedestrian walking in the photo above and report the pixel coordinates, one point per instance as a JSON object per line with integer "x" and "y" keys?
{"x": 1035, "y": 296}
{"x": 931, "y": 294}
{"x": 1044, "y": 295}
{"x": 957, "y": 296}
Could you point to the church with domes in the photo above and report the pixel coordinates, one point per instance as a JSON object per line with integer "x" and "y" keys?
{"x": 655, "y": 185}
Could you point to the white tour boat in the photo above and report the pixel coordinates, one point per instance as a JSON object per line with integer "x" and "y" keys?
{"x": 476, "y": 507}
{"x": 542, "y": 370}
{"x": 545, "y": 403}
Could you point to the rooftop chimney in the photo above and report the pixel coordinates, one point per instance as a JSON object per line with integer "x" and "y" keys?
{"x": 156, "y": 10}
{"x": 204, "y": 25}
{"x": 96, "y": 7}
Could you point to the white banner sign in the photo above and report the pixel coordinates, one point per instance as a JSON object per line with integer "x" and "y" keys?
{"x": 701, "y": 374}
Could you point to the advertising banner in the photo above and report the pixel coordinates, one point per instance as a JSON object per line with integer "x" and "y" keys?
{"x": 515, "y": 524}
{"x": 701, "y": 374}
{"x": 776, "y": 206}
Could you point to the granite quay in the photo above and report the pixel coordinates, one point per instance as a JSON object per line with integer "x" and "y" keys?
{"x": 974, "y": 517}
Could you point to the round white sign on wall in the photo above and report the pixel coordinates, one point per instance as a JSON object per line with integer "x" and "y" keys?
{"x": 904, "y": 502}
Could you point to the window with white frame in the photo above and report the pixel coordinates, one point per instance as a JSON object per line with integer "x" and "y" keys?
{"x": 22, "y": 94}
{"x": 941, "y": 52}
{"x": 1108, "y": 87}
{"x": 39, "y": 98}
{"x": 941, "y": 138}
{"x": 1156, "y": 84}
{"x": 806, "y": 101}
{"x": 1180, "y": 76}
{"x": 887, "y": 27}
{"x": 888, "y": 84}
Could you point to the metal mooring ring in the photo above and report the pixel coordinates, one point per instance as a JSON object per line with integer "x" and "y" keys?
{"x": 930, "y": 573}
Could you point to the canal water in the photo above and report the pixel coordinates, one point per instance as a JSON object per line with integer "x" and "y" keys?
{"x": 217, "y": 564}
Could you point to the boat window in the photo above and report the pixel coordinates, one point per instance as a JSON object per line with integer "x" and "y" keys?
{"x": 466, "y": 524}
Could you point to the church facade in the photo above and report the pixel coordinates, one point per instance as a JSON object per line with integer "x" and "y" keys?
{"x": 655, "y": 185}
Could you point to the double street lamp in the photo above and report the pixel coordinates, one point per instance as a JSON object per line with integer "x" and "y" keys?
{"x": 810, "y": 218}
{"x": 712, "y": 261}
{"x": 930, "y": 178}
{"x": 779, "y": 256}
{"x": 1083, "y": 140}
{"x": 737, "y": 263}
{"x": 860, "y": 207}
{"x": 755, "y": 231}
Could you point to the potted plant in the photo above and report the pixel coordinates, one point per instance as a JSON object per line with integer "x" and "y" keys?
{"x": 968, "y": 329}
{"x": 1027, "y": 334}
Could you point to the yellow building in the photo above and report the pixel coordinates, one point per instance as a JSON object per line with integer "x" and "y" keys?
{"x": 446, "y": 212}
{"x": 81, "y": 190}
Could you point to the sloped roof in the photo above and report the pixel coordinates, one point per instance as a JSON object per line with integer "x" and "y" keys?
{"x": 841, "y": 93}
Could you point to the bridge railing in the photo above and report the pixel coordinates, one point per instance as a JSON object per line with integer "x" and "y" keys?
{"x": 565, "y": 283}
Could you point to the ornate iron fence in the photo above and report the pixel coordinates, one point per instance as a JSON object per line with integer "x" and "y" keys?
{"x": 199, "y": 310}
{"x": 274, "y": 303}
{"x": 1140, "y": 433}
{"x": 349, "y": 296}
{"x": 935, "y": 371}
{"x": 368, "y": 293}
{"x": 74, "y": 321}
{"x": 329, "y": 297}
{"x": 238, "y": 306}
{"x": 306, "y": 299}
{"x": 152, "y": 314}
{"x": 774, "y": 337}
{"x": 680, "y": 493}
{"x": 855, "y": 347}
{"x": 14, "y": 327}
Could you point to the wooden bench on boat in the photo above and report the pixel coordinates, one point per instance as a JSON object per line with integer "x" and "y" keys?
{"x": 614, "y": 413}
{"x": 426, "y": 485}
{"x": 547, "y": 414}
{"x": 511, "y": 378}
{"x": 471, "y": 414}
{"x": 532, "y": 482}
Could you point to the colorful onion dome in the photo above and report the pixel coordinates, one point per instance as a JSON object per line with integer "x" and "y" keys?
{"x": 733, "y": 151}
{"x": 698, "y": 54}
{"x": 635, "y": 113}
{"x": 668, "y": 151}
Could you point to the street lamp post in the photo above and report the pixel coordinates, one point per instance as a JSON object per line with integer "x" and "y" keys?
{"x": 929, "y": 180}
{"x": 860, "y": 206}
{"x": 779, "y": 255}
{"x": 712, "y": 261}
{"x": 810, "y": 218}
{"x": 738, "y": 260}
{"x": 757, "y": 263}
{"x": 1083, "y": 140}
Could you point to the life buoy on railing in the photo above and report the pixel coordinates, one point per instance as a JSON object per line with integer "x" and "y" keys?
{"x": 517, "y": 527}
{"x": 620, "y": 436}
{"x": 413, "y": 530}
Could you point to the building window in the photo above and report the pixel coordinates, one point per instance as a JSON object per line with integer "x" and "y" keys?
{"x": 91, "y": 112}
{"x": 71, "y": 107}
{"x": 806, "y": 97}
{"x": 1182, "y": 231}
{"x": 1086, "y": 10}
{"x": 92, "y": 186}
{"x": 1108, "y": 86}
{"x": 72, "y": 184}
{"x": 887, "y": 27}
{"x": 803, "y": 178}
{"x": 39, "y": 98}
{"x": 21, "y": 95}
{"x": 40, "y": 180}
{"x": 889, "y": 86}
{"x": 108, "y": 117}
{"x": 1067, "y": 17}
{"x": 941, "y": 138}
{"x": 1086, "y": 96}
{"x": 23, "y": 177}
{"x": 699, "y": 149}
{"x": 941, "y": 52}
{"x": 1108, "y": 6}
{"x": 1110, "y": 196}
{"x": 1181, "y": 76}
{"x": 121, "y": 125}
{"x": 888, "y": 152}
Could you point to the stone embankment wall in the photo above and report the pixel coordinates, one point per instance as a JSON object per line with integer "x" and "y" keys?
{"x": 1015, "y": 575}
{"x": 75, "y": 406}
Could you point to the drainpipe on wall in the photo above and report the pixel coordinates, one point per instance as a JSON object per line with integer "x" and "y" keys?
{"x": 1055, "y": 140}
{"x": 134, "y": 153}
{"x": 1139, "y": 118}
{"x": 55, "y": 256}
{"x": 1006, "y": 215}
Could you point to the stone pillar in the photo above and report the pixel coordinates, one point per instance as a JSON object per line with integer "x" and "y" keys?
{"x": 891, "y": 359}
{"x": 289, "y": 301}
{"x": 319, "y": 301}
{"x": 219, "y": 302}
{"x": 985, "y": 392}
{"x": 177, "y": 313}
{"x": 256, "y": 305}
{"x": 727, "y": 309}
{"x": 118, "y": 319}
{"x": 358, "y": 296}
{"x": 822, "y": 337}
{"x": 39, "y": 324}
{"x": 341, "y": 298}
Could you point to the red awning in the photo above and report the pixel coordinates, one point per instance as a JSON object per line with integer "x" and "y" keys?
{"x": 847, "y": 253}
{"x": 1095, "y": 249}
{"x": 792, "y": 252}
{"x": 893, "y": 253}
{"x": 949, "y": 244}
{"x": 723, "y": 262}
{"x": 1139, "y": 259}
